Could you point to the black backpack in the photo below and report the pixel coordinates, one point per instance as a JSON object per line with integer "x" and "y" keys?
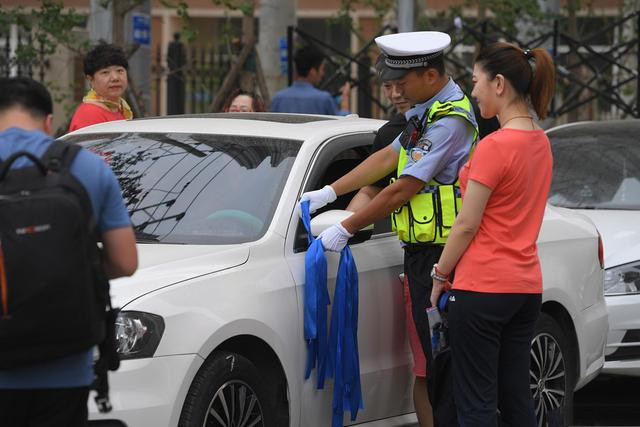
{"x": 54, "y": 298}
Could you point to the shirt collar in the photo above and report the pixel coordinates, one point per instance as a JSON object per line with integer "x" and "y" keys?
{"x": 14, "y": 130}
{"x": 443, "y": 94}
{"x": 301, "y": 83}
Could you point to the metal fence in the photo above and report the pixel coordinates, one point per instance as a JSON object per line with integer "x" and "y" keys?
{"x": 12, "y": 41}
{"x": 193, "y": 75}
{"x": 595, "y": 80}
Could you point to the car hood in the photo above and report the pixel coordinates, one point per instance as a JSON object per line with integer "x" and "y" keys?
{"x": 164, "y": 265}
{"x": 620, "y": 231}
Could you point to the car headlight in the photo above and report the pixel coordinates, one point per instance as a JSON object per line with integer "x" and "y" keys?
{"x": 623, "y": 279}
{"x": 138, "y": 334}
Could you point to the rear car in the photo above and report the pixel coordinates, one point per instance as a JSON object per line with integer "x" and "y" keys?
{"x": 597, "y": 173}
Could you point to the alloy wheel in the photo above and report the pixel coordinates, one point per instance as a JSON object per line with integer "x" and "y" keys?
{"x": 234, "y": 404}
{"x": 547, "y": 376}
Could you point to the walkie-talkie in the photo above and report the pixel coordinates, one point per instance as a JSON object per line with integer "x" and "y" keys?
{"x": 411, "y": 133}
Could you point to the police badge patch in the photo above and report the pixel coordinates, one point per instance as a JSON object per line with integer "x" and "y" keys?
{"x": 421, "y": 148}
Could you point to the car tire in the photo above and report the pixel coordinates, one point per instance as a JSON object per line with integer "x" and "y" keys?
{"x": 552, "y": 373}
{"x": 228, "y": 390}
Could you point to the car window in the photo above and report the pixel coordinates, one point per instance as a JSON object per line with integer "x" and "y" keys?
{"x": 596, "y": 166}
{"x": 197, "y": 188}
{"x": 336, "y": 159}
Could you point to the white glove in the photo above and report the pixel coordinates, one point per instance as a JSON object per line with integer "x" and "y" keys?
{"x": 318, "y": 198}
{"x": 335, "y": 238}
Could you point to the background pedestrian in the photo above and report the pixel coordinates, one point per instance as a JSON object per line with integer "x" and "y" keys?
{"x": 105, "y": 68}
{"x": 240, "y": 101}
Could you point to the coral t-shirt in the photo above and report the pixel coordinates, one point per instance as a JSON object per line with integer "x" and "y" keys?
{"x": 88, "y": 114}
{"x": 503, "y": 255}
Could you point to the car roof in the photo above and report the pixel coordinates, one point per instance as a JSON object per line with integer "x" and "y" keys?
{"x": 273, "y": 125}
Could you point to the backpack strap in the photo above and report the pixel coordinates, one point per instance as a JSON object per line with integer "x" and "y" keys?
{"x": 58, "y": 158}
{"x": 60, "y": 155}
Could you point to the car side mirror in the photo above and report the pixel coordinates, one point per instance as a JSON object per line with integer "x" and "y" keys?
{"x": 322, "y": 221}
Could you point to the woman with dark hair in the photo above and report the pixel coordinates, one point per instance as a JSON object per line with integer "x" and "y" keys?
{"x": 497, "y": 291}
{"x": 240, "y": 101}
{"x": 105, "y": 68}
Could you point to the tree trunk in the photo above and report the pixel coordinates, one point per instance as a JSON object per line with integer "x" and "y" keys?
{"x": 275, "y": 16}
{"x": 231, "y": 77}
{"x": 248, "y": 78}
{"x": 119, "y": 9}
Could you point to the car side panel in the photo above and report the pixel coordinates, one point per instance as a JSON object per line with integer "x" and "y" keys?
{"x": 385, "y": 360}
{"x": 572, "y": 277}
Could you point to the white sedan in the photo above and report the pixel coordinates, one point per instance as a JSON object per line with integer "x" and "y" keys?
{"x": 597, "y": 173}
{"x": 210, "y": 332}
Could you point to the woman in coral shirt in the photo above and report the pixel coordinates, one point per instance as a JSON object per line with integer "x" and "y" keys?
{"x": 105, "y": 67}
{"x": 496, "y": 295}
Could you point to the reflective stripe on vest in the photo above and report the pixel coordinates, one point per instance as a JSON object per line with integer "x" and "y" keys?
{"x": 429, "y": 215}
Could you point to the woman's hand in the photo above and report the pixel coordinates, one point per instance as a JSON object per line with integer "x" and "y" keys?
{"x": 438, "y": 288}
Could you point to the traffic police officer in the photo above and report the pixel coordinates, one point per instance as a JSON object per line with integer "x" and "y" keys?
{"x": 423, "y": 201}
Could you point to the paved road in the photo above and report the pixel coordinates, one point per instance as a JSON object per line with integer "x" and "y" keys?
{"x": 608, "y": 401}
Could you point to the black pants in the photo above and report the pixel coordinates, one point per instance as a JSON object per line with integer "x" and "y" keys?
{"x": 62, "y": 407}
{"x": 418, "y": 262}
{"x": 490, "y": 337}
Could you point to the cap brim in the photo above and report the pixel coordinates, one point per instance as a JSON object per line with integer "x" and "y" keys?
{"x": 387, "y": 73}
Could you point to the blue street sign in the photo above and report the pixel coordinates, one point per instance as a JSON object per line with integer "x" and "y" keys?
{"x": 142, "y": 29}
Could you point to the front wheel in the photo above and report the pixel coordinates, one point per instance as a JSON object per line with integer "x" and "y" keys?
{"x": 227, "y": 391}
{"x": 552, "y": 374}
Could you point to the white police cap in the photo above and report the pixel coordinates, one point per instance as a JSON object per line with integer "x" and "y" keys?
{"x": 404, "y": 51}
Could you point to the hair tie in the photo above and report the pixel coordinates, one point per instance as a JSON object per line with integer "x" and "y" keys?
{"x": 527, "y": 53}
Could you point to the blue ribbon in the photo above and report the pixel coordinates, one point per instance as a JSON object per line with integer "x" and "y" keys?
{"x": 343, "y": 342}
{"x": 334, "y": 354}
{"x": 316, "y": 300}
{"x": 442, "y": 301}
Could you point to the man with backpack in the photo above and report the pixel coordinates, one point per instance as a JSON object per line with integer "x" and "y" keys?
{"x": 56, "y": 201}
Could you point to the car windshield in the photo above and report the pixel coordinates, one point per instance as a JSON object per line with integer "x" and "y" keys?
{"x": 596, "y": 166}
{"x": 197, "y": 188}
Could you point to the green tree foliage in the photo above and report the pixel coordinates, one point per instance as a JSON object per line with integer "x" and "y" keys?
{"x": 50, "y": 25}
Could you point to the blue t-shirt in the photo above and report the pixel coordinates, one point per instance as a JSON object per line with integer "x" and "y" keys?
{"x": 302, "y": 97}
{"x": 94, "y": 174}
{"x": 444, "y": 148}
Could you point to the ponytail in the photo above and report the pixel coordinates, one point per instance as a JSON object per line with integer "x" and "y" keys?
{"x": 543, "y": 81}
{"x": 530, "y": 72}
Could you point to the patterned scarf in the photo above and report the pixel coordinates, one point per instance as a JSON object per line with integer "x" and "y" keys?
{"x": 121, "y": 105}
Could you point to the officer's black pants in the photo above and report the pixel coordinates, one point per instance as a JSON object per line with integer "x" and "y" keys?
{"x": 490, "y": 337}
{"x": 418, "y": 262}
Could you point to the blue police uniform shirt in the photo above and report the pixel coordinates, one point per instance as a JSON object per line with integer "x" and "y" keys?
{"x": 75, "y": 370}
{"x": 302, "y": 97}
{"x": 444, "y": 148}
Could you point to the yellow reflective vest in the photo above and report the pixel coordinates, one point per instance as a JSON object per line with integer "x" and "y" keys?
{"x": 428, "y": 216}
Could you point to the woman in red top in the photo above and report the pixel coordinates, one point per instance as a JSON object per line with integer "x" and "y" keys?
{"x": 105, "y": 67}
{"x": 496, "y": 294}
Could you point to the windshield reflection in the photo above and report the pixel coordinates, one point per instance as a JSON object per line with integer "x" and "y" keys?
{"x": 197, "y": 188}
